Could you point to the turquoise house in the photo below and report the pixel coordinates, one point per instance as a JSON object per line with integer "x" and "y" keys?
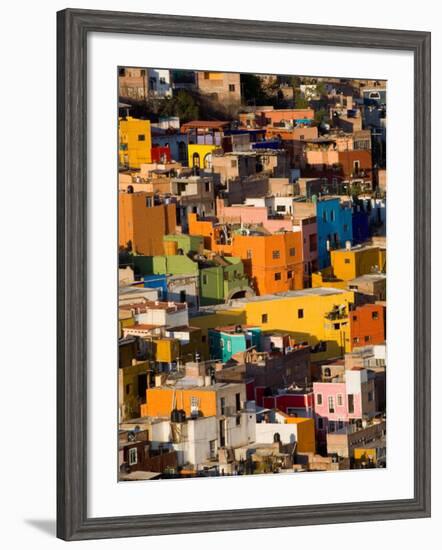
{"x": 226, "y": 341}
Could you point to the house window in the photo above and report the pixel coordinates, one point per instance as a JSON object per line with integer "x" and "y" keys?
{"x": 332, "y": 216}
{"x": 229, "y": 345}
{"x": 292, "y": 251}
{"x": 133, "y": 456}
{"x": 222, "y": 405}
{"x": 231, "y": 87}
{"x": 367, "y": 338}
{"x": 331, "y": 404}
{"x": 249, "y": 254}
{"x": 347, "y": 261}
{"x": 351, "y": 403}
{"x": 324, "y": 216}
{"x": 331, "y": 426}
{"x": 182, "y": 296}
{"x": 300, "y": 314}
{"x": 339, "y": 400}
{"x": 162, "y": 80}
{"x": 238, "y": 401}
{"x": 336, "y": 326}
{"x": 276, "y": 254}
{"x": 207, "y": 186}
{"x": 375, "y": 315}
{"x": 141, "y": 137}
{"x": 319, "y": 399}
{"x": 289, "y": 274}
{"x": 264, "y": 318}
{"x": 127, "y": 389}
{"x": 233, "y": 164}
{"x": 320, "y": 424}
{"x": 313, "y": 242}
{"x": 327, "y": 372}
{"x": 370, "y": 396}
{"x": 204, "y": 279}
{"x": 238, "y": 420}
{"x": 206, "y": 76}
{"x": 194, "y": 405}
{"x": 355, "y": 317}
{"x": 355, "y": 340}
{"x": 340, "y": 425}
{"x": 277, "y": 276}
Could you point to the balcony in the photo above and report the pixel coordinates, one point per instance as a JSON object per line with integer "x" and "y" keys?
{"x": 336, "y": 314}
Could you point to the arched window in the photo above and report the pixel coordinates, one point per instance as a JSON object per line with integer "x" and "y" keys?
{"x": 327, "y": 372}
{"x": 208, "y": 161}
{"x": 196, "y": 160}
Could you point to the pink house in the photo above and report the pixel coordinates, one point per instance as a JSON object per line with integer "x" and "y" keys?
{"x": 345, "y": 400}
{"x": 309, "y": 230}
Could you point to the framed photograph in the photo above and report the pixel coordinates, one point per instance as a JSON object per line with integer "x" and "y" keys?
{"x": 224, "y": 302}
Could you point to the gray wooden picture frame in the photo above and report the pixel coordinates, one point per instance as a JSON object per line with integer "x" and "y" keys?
{"x": 73, "y": 27}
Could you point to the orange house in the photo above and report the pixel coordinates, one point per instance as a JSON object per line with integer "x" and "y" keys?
{"x": 161, "y": 401}
{"x": 213, "y": 400}
{"x": 212, "y": 234}
{"x": 273, "y": 263}
{"x": 141, "y": 225}
{"x": 367, "y": 325}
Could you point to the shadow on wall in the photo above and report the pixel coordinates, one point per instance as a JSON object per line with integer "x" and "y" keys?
{"x": 47, "y": 526}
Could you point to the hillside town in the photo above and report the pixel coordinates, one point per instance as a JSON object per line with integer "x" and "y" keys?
{"x": 252, "y": 274}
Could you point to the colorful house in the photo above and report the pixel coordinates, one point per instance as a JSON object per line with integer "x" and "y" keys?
{"x": 220, "y": 279}
{"x": 273, "y": 262}
{"x": 352, "y": 262}
{"x": 347, "y": 398}
{"x": 334, "y": 221}
{"x": 317, "y": 316}
{"x": 200, "y": 155}
{"x": 142, "y": 224}
{"x": 360, "y": 225}
{"x": 367, "y": 325}
{"x": 226, "y": 341}
{"x": 135, "y": 142}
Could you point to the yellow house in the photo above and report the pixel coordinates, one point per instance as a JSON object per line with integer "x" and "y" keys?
{"x": 350, "y": 263}
{"x": 219, "y": 318}
{"x": 132, "y": 385}
{"x": 135, "y": 142}
{"x": 325, "y": 278}
{"x": 318, "y": 316}
{"x": 368, "y": 455}
{"x": 125, "y": 320}
{"x": 200, "y": 155}
{"x": 305, "y": 432}
{"x": 166, "y": 350}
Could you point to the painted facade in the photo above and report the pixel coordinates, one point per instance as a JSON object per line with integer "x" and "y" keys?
{"x": 135, "y": 142}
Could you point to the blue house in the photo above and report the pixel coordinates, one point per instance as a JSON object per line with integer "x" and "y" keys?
{"x": 335, "y": 227}
{"x": 360, "y": 224}
{"x": 226, "y": 341}
{"x": 157, "y": 281}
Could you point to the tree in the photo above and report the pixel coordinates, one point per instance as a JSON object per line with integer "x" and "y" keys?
{"x": 300, "y": 101}
{"x": 252, "y": 90}
{"x": 183, "y": 105}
